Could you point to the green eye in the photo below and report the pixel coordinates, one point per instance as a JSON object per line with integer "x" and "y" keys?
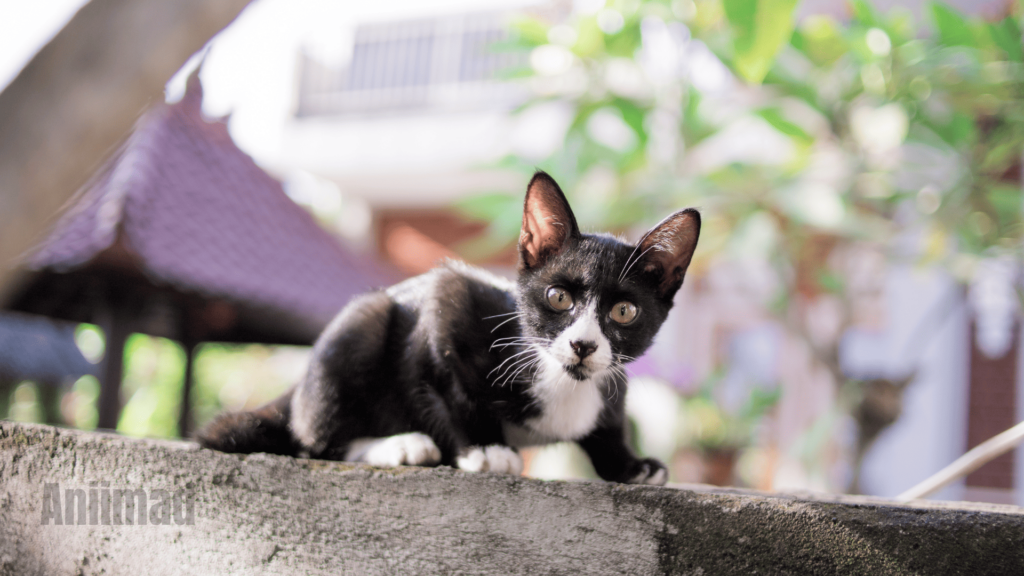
{"x": 559, "y": 299}
{"x": 624, "y": 312}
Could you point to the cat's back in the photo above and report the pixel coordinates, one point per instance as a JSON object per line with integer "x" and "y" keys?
{"x": 456, "y": 306}
{"x": 452, "y": 281}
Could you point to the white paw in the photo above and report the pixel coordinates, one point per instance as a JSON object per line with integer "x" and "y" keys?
{"x": 493, "y": 458}
{"x": 412, "y": 449}
{"x": 503, "y": 460}
{"x": 658, "y": 478}
{"x": 652, "y": 473}
{"x": 473, "y": 460}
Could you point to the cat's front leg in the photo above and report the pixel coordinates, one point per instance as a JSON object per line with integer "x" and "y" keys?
{"x": 410, "y": 449}
{"x": 493, "y": 458}
{"x": 614, "y": 461}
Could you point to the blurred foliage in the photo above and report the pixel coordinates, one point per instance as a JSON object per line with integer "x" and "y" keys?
{"x": 78, "y": 406}
{"x": 243, "y": 376}
{"x": 153, "y": 376}
{"x": 855, "y": 122}
{"x": 705, "y": 425}
{"x": 24, "y": 403}
{"x": 91, "y": 342}
{"x": 802, "y": 144}
{"x": 760, "y": 29}
{"x": 226, "y": 377}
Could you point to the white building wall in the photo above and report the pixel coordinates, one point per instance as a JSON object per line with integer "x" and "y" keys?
{"x": 932, "y": 430}
{"x": 1018, "y": 472}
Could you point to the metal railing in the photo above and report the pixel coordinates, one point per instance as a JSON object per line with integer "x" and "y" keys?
{"x": 442, "y": 62}
{"x": 969, "y": 462}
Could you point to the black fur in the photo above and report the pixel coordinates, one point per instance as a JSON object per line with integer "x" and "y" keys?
{"x": 427, "y": 355}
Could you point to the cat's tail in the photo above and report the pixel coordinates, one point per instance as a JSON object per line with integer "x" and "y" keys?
{"x": 264, "y": 429}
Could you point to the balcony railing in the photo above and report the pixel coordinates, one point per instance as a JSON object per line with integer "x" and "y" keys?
{"x": 451, "y": 62}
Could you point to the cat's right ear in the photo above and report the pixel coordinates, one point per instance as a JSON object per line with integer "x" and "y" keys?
{"x": 666, "y": 250}
{"x": 548, "y": 222}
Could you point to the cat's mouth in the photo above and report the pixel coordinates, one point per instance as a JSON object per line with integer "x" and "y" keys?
{"x": 577, "y": 371}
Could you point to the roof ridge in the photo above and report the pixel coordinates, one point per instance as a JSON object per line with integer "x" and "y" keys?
{"x": 129, "y": 171}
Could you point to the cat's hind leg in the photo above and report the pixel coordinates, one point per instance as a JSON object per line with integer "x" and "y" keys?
{"x": 345, "y": 392}
{"x": 411, "y": 449}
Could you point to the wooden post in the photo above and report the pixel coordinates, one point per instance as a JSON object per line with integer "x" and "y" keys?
{"x": 49, "y": 394}
{"x": 116, "y": 329}
{"x": 185, "y": 413}
{"x": 992, "y": 408}
{"x": 6, "y": 389}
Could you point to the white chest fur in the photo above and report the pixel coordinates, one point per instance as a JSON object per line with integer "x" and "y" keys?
{"x": 569, "y": 408}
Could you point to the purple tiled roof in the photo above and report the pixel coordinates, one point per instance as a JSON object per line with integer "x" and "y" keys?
{"x": 203, "y": 218}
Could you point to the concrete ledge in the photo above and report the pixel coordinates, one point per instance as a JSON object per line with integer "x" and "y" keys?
{"x": 263, "y": 514}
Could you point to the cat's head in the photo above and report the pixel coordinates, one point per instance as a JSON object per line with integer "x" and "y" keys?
{"x": 590, "y": 301}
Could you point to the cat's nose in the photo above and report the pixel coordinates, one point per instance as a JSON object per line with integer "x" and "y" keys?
{"x": 583, "y": 348}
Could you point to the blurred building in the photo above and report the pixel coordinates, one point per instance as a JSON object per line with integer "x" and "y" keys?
{"x": 400, "y": 124}
{"x": 180, "y": 235}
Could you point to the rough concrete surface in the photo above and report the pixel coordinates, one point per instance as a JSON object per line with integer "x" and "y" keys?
{"x": 263, "y": 514}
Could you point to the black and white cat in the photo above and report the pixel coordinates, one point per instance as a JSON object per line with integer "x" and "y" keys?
{"x": 460, "y": 367}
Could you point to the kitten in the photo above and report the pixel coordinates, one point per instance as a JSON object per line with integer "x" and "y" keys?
{"x": 461, "y": 367}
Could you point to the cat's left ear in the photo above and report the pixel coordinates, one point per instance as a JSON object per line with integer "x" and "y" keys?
{"x": 667, "y": 248}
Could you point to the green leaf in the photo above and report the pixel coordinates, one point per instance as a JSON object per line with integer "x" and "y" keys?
{"x": 900, "y": 26}
{"x": 1006, "y": 35}
{"x": 633, "y": 116}
{"x": 530, "y": 31}
{"x": 1000, "y": 157}
{"x": 625, "y": 42}
{"x": 819, "y": 39}
{"x": 951, "y": 25}
{"x": 694, "y": 127}
{"x": 830, "y": 282}
{"x": 761, "y": 28}
{"x": 774, "y": 117}
{"x": 796, "y": 86}
{"x": 958, "y": 131}
{"x": 1006, "y": 201}
{"x": 865, "y": 13}
{"x": 589, "y": 38}
{"x": 758, "y": 403}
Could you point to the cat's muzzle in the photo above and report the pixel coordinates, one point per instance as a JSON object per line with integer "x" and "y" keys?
{"x": 578, "y": 371}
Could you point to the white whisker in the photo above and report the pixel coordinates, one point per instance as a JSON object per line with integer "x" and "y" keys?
{"x": 504, "y": 322}
{"x": 523, "y": 364}
{"x": 533, "y": 354}
{"x": 500, "y": 315}
{"x": 625, "y": 273}
{"x": 498, "y": 367}
{"x": 528, "y": 365}
{"x": 635, "y": 248}
{"x": 517, "y": 342}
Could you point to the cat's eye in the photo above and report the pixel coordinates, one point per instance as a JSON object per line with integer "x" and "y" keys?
{"x": 559, "y": 299}
{"x": 624, "y": 312}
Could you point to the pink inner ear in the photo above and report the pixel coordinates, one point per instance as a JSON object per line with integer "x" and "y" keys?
{"x": 547, "y": 226}
{"x": 541, "y": 232}
{"x": 547, "y": 221}
{"x": 669, "y": 246}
